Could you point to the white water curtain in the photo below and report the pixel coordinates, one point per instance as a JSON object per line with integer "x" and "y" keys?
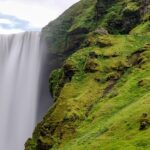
{"x": 20, "y": 65}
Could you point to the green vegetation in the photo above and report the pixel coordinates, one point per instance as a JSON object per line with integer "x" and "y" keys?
{"x": 143, "y": 28}
{"x": 69, "y": 29}
{"x": 101, "y": 92}
{"x": 67, "y": 32}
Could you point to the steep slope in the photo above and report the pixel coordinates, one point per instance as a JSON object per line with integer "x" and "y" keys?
{"x": 67, "y": 32}
{"x": 101, "y": 92}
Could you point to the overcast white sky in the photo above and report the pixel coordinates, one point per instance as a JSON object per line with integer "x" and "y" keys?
{"x": 29, "y": 15}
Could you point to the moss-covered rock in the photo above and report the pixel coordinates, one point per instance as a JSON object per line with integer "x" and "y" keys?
{"x": 92, "y": 97}
{"x": 67, "y": 32}
{"x": 102, "y": 88}
{"x": 56, "y": 83}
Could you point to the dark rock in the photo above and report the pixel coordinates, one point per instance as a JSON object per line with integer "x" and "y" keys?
{"x": 101, "y": 8}
{"x": 102, "y": 43}
{"x": 114, "y": 77}
{"x": 144, "y": 8}
{"x": 75, "y": 38}
{"x": 141, "y": 83}
{"x": 144, "y": 121}
{"x": 109, "y": 88}
{"x": 79, "y": 31}
{"x": 91, "y": 66}
{"x": 113, "y": 24}
{"x": 42, "y": 146}
{"x": 69, "y": 71}
{"x": 130, "y": 19}
{"x": 136, "y": 58}
{"x": 93, "y": 55}
{"x": 107, "y": 56}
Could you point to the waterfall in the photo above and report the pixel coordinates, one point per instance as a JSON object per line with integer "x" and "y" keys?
{"x": 21, "y": 63}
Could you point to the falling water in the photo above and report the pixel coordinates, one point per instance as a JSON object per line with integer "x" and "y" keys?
{"x": 21, "y": 60}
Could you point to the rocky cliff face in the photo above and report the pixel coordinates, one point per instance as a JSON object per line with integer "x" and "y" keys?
{"x": 101, "y": 92}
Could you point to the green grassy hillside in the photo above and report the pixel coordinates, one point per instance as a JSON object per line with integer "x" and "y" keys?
{"x": 102, "y": 90}
{"x": 68, "y": 31}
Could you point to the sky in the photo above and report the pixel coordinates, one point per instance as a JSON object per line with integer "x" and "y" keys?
{"x": 29, "y": 15}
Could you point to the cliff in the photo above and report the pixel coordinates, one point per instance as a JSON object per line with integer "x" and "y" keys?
{"x": 101, "y": 92}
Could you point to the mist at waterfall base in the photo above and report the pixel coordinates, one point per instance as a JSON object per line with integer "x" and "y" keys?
{"x": 24, "y": 96}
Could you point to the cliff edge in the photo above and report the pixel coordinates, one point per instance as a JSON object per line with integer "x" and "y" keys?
{"x": 101, "y": 90}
